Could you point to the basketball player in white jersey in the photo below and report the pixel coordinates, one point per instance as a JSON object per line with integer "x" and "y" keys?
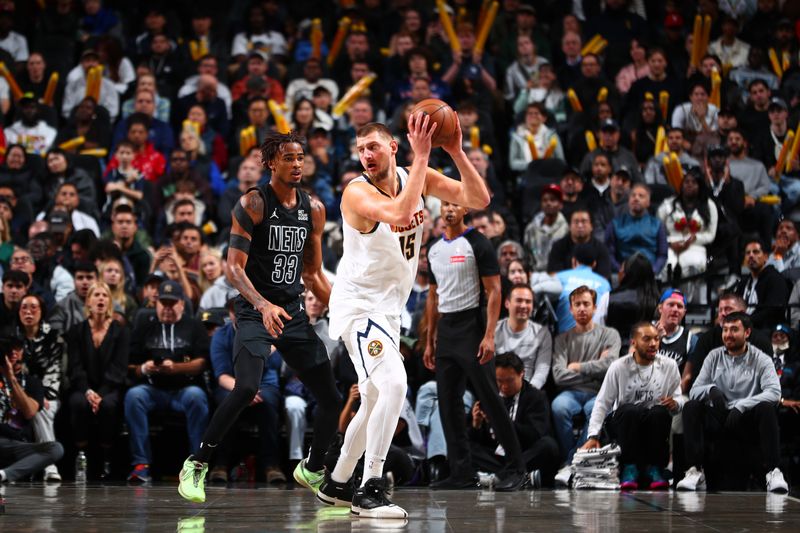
{"x": 382, "y": 213}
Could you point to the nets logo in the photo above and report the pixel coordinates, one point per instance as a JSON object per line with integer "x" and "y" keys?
{"x": 374, "y": 348}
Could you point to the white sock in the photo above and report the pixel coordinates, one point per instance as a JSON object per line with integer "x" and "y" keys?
{"x": 373, "y": 468}
{"x": 2, "y": 475}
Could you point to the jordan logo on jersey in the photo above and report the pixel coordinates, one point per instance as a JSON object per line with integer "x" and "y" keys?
{"x": 274, "y": 214}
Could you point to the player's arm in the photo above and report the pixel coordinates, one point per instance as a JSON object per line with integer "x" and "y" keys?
{"x": 247, "y": 213}
{"x": 363, "y": 205}
{"x": 471, "y": 191}
{"x": 313, "y": 277}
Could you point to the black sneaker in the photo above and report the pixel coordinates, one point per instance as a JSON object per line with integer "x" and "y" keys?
{"x": 510, "y": 482}
{"x": 334, "y": 493}
{"x": 371, "y": 501}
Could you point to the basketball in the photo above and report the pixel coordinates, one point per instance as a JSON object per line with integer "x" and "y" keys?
{"x": 443, "y": 115}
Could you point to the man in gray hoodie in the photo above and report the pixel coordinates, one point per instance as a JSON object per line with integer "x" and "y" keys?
{"x": 736, "y": 393}
{"x": 71, "y": 310}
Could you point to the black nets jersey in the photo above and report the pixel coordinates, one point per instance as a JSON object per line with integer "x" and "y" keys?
{"x": 275, "y": 262}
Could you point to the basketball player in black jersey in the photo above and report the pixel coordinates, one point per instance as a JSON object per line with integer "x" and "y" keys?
{"x": 276, "y": 239}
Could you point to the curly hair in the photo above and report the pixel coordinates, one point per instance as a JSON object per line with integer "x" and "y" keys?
{"x": 274, "y": 141}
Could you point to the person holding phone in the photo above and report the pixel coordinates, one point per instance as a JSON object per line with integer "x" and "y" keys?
{"x": 167, "y": 358}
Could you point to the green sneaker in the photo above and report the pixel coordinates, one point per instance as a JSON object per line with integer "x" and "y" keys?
{"x": 192, "y": 480}
{"x": 308, "y": 478}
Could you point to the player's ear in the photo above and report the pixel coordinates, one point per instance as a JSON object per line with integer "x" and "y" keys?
{"x": 393, "y": 146}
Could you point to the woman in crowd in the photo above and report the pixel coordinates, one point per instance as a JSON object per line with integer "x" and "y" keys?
{"x": 20, "y": 173}
{"x": 44, "y": 353}
{"x": 643, "y": 136}
{"x": 200, "y": 162}
{"x": 112, "y": 273}
{"x": 305, "y": 118}
{"x": 210, "y": 268}
{"x": 518, "y": 272}
{"x": 690, "y": 219}
{"x": 98, "y": 362}
{"x": 637, "y": 69}
{"x": 634, "y": 300}
{"x": 698, "y": 120}
{"x": 213, "y": 142}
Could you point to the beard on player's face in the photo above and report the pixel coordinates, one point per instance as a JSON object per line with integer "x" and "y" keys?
{"x": 377, "y": 168}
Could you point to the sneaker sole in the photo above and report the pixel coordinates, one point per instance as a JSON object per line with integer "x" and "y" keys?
{"x": 301, "y": 480}
{"x": 193, "y": 500}
{"x": 388, "y": 513}
{"x": 332, "y": 501}
{"x": 699, "y": 488}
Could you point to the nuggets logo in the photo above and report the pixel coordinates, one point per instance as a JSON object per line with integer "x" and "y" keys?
{"x": 375, "y": 348}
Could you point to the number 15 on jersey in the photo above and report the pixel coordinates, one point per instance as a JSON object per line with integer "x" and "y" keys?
{"x": 407, "y": 245}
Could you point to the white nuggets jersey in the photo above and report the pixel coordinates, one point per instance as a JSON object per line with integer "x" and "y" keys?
{"x": 377, "y": 270}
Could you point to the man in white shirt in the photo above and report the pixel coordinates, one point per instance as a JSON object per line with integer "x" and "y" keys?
{"x": 639, "y": 394}
{"x": 34, "y": 134}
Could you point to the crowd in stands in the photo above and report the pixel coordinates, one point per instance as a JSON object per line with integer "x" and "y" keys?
{"x": 634, "y": 181}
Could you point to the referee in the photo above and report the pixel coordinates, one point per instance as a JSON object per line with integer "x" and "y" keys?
{"x": 462, "y": 264}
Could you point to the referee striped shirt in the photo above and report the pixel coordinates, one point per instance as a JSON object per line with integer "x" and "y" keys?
{"x": 456, "y": 267}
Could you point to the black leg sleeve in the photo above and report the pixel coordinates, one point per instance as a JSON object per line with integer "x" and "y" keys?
{"x": 320, "y": 381}
{"x": 248, "y": 369}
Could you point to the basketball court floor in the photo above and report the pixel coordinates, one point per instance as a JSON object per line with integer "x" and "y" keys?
{"x": 34, "y": 507}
